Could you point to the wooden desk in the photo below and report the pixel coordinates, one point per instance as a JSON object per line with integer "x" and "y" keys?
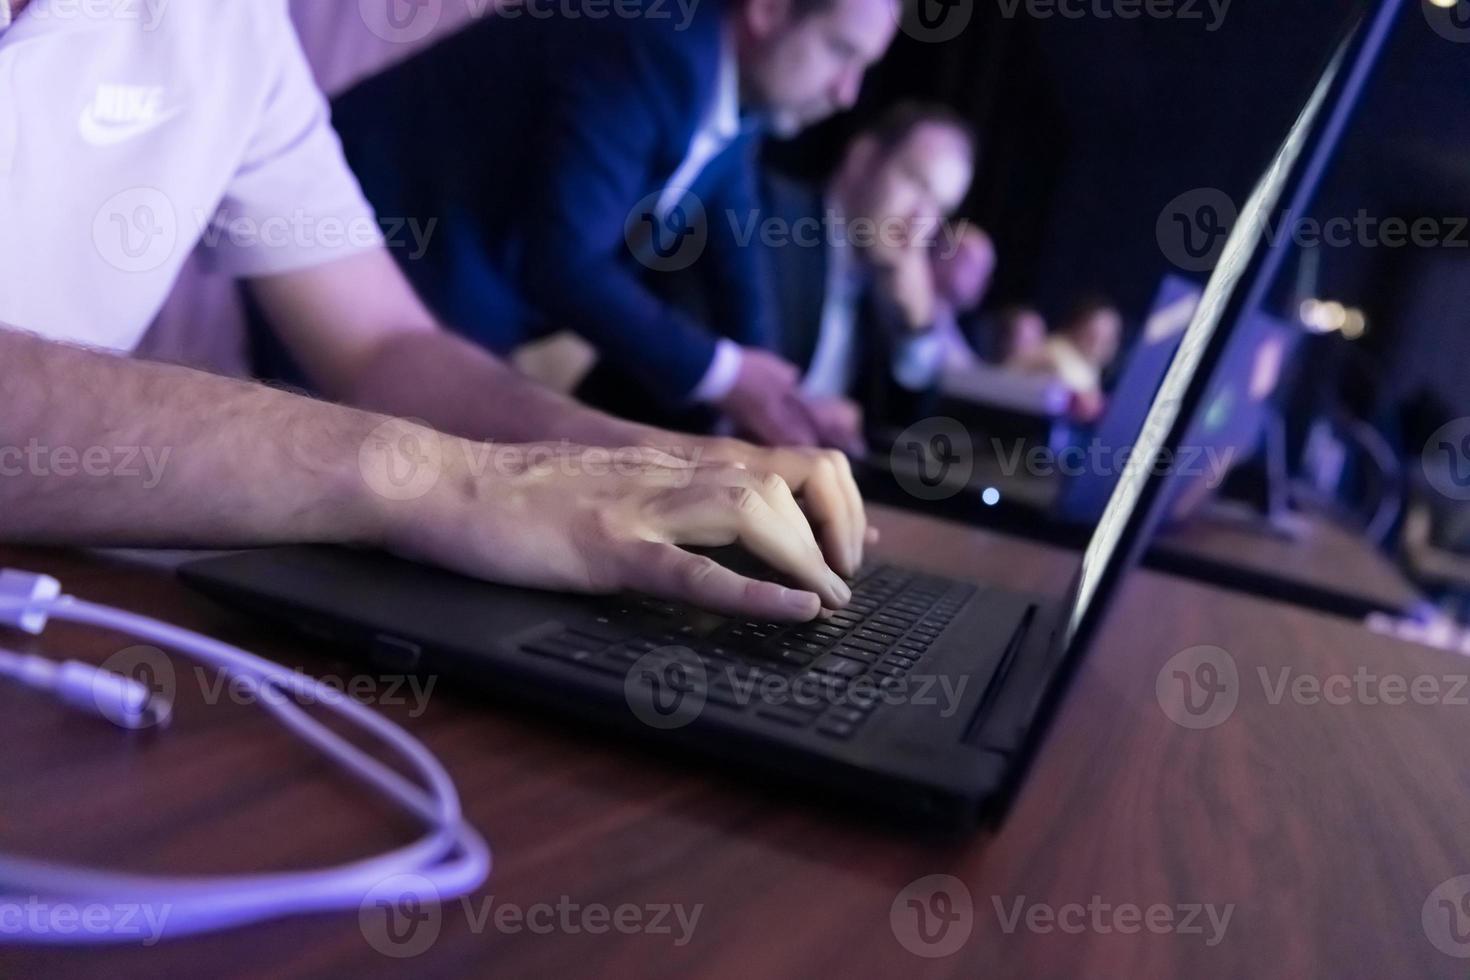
{"x": 1327, "y": 827}
{"x": 1327, "y": 567}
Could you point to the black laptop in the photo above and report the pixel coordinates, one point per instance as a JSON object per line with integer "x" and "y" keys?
{"x": 923, "y": 699}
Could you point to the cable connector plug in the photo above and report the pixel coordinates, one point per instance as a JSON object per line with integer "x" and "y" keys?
{"x": 17, "y": 589}
{"x": 121, "y": 700}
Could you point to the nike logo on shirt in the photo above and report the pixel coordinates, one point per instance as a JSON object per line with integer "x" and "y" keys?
{"x": 123, "y": 112}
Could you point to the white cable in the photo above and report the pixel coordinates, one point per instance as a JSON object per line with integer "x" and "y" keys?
{"x": 451, "y": 858}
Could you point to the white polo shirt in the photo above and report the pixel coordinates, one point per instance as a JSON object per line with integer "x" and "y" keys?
{"x": 132, "y": 131}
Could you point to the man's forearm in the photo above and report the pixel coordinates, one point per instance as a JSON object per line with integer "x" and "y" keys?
{"x": 457, "y": 387}
{"x": 101, "y": 450}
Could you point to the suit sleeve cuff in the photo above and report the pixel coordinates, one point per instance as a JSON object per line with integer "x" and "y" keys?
{"x": 918, "y": 361}
{"x": 720, "y": 376}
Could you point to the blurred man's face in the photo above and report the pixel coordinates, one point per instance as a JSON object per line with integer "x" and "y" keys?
{"x": 1097, "y": 336}
{"x": 962, "y": 271}
{"x": 802, "y": 70}
{"x": 907, "y": 191}
{"x": 1023, "y": 332}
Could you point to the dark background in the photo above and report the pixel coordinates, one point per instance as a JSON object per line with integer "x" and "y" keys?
{"x": 1090, "y": 126}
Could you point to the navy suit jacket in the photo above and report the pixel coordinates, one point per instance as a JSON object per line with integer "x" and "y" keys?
{"x": 795, "y": 268}
{"x": 537, "y": 143}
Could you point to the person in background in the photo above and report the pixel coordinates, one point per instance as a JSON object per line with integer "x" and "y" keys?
{"x": 566, "y": 156}
{"x": 1020, "y": 334}
{"x": 962, "y": 274}
{"x": 1079, "y": 355}
{"x": 142, "y": 140}
{"x": 849, "y": 264}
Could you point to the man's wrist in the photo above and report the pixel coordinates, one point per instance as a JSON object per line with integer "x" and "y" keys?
{"x": 390, "y": 466}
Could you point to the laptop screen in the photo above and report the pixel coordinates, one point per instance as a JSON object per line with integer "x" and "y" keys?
{"x": 1126, "y": 521}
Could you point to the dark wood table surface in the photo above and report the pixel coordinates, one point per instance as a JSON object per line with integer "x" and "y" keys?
{"x": 1323, "y": 829}
{"x": 1327, "y": 566}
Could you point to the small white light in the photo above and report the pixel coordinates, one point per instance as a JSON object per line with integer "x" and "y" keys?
{"x": 991, "y": 496}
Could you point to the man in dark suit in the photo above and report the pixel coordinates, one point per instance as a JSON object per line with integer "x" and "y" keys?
{"x": 852, "y": 268}
{"x": 558, "y": 152}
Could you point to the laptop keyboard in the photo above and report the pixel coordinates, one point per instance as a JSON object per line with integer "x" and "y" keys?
{"x": 827, "y": 676}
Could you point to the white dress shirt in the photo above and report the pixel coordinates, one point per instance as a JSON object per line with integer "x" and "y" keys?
{"x": 917, "y": 358}
{"x": 720, "y": 128}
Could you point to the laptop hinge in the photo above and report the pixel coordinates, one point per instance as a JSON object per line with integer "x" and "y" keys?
{"x": 998, "y": 678}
